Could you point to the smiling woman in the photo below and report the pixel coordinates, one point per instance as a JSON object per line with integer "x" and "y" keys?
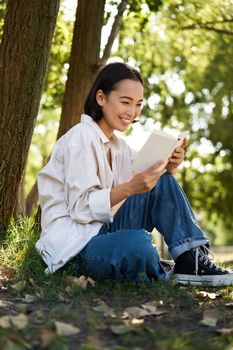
{"x": 95, "y": 208}
{"x": 121, "y": 106}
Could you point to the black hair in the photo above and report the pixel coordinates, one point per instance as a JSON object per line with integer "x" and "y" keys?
{"x": 107, "y": 81}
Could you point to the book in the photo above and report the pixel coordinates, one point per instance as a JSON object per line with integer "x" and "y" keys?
{"x": 158, "y": 146}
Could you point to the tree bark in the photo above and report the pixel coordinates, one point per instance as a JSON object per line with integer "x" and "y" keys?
{"x": 24, "y": 52}
{"x": 83, "y": 61}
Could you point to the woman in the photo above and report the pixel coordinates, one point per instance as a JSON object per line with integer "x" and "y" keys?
{"x": 94, "y": 208}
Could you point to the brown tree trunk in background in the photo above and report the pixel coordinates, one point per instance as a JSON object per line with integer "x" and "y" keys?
{"x": 24, "y": 52}
{"x": 83, "y": 60}
{"x": 20, "y": 207}
{"x": 32, "y": 199}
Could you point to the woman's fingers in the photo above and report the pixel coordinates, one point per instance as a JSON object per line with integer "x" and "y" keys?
{"x": 157, "y": 167}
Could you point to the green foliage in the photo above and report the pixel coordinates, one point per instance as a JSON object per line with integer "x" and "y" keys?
{"x": 18, "y": 251}
{"x": 184, "y": 51}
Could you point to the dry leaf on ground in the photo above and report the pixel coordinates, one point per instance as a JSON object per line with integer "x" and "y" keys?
{"x": 63, "y": 329}
{"x": 208, "y": 295}
{"x": 46, "y": 338}
{"x": 224, "y": 331}
{"x": 134, "y": 312}
{"x": 80, "y": 282}
{"x": 147, "y": 309}
{"x": 19, "y": 286}
{"x": 19, "y": 322}
{"x": 106, "y": 310}
{"x": 28, "y": 298}
{"x": 5, "y": 322}
{"x": 229, "y": 304}
{"x": 121, "y": 329}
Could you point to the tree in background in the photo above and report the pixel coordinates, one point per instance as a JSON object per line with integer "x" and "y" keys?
{"x": 185, "y": 53}
{"x": 24, "y": 52}
{"x": 84, "y": 62}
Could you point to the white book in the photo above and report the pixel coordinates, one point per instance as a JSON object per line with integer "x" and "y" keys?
{"x": 158, "y": 146}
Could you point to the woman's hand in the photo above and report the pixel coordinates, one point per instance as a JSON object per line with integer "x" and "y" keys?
{"x": 146, "y": 180}
{"x": 139, "y": 183}
{"x": 177, "y": 157}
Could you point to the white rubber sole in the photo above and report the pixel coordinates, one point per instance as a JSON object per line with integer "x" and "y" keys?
{"x": 211, "y": 280}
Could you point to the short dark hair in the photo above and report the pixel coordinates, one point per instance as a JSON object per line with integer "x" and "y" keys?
{"x": 107, "y": 81}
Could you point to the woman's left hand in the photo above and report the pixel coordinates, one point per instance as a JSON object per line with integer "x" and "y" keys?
{"x": 177, "y": 157}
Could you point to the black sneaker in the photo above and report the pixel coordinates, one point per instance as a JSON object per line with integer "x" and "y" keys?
{"x": 195, "y": 267}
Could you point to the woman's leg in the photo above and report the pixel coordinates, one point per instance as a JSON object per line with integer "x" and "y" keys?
{"x": 167, "y": 209}
{"x": 122, "y": 255}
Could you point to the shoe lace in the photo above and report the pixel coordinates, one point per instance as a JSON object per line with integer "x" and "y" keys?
{"x": 204, "y": 255}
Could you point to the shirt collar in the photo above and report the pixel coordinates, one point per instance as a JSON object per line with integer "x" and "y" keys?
{"x": 90, "y": 121}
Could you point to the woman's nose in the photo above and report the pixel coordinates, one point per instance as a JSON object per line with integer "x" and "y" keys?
{"x": 131, "y": 112}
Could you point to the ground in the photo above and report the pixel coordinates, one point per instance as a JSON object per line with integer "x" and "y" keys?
{"x": 81, "y": 314}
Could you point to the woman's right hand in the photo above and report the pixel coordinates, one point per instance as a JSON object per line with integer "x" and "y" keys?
{"x": 147, "y": 179}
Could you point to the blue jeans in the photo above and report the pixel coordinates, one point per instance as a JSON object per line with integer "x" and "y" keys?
{"x": 124, "y": 250}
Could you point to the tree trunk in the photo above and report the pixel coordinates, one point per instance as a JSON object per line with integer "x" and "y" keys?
{"x": 84, "y": 63}
{"x": 32, "y": 199}
{"x": 83, "y": 60}
{"x": 24, "y": 52}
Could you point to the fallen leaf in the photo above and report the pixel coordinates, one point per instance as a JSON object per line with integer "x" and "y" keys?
{"x": 137, "y": 321}
{"x": 229, "y": 304}
{"x": 91, "y": 281}
{"x": 105, "y": 309}
{"x": 20, "y": 321}
{"x": 63, "y": 329}
{"x": 28, "y": 298}
{"x": 5, "y": 322}
{"x": 135, "y": 312}
{"x": 121, "y": 329}
{"x": 5, "y": 303}
{"x": 31, "y": 280}
{"x": 208, "y": 295}
{"x": 19, "y": 286}
{"x": 224, "y": 331}
{"x": 47, "y": 337}
{"x": 209, "y": 322}
{"x": 151, "y": 307}
{"x": 72, "y": 282}
{"x": 63, "y": 299}
{"x": 139, "y": 312}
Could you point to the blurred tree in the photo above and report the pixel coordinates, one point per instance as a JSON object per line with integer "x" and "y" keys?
{"x": 23, "y": 64}
{"x": 185, "y": 54}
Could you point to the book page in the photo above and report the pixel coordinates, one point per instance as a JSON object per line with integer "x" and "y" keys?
{"x": 158, "y": 146}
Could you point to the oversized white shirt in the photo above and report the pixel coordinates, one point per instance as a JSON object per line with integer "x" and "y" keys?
{"x": 74, "y": 190}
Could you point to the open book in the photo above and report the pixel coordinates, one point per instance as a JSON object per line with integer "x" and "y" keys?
{"x": 158, "y": 146}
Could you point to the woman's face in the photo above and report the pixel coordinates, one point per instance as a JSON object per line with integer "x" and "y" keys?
{"x": 121, "y": 106}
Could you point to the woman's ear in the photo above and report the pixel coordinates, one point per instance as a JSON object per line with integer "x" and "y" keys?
{"x": 100, "y": 98}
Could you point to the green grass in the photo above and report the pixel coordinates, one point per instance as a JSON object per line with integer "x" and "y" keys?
{"x": 178, "y": 329}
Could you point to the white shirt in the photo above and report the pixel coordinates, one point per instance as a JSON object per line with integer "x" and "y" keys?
{"x": 74, "y": 190}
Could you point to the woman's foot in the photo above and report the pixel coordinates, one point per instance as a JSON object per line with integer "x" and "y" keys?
{"x": 195, "y": 267}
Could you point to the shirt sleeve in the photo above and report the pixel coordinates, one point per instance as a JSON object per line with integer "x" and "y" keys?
{"x": 86, "y": 196}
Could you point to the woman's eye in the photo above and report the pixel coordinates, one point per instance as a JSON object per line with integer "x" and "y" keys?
{"x": 125, "y": 102}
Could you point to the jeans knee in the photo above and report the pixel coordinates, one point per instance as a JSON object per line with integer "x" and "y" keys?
{"x": 140, "y": 244}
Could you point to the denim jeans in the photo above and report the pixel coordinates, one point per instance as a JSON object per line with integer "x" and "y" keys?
{"x": 124, "y": 250}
